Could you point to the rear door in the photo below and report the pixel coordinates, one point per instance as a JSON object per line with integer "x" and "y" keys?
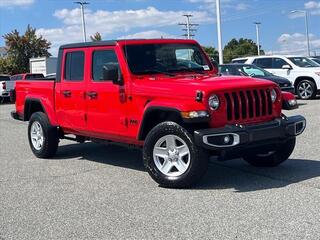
{"x": 106, "y": 101}
{"x": 265, "y": 63}
{"x": 70, "y": 91}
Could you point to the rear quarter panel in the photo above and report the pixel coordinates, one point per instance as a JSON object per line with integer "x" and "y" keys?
{"x": 42, "y": 91}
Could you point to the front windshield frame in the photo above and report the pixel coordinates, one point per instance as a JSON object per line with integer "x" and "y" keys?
{"x": 309, "y": 61}
{"x": 204, "y": 68}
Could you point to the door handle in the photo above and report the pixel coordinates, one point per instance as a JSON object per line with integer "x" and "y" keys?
{"x": 66, "y": 93}
{"x": 92, "y": 95}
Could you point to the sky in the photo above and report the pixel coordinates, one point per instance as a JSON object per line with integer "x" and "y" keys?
{"x": 59, "y": 21}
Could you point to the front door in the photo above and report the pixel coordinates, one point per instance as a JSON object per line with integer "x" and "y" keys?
{"x": 277, "y": 68}
{"x": 70, "y": 101}
{"x": 105, "y": 100}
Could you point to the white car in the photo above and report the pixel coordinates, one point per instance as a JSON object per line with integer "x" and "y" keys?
{"x": 302, "y": 72}
{"x": 4, "y": 91}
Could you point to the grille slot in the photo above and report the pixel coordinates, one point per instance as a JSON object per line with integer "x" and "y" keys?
{"x": 248, "y": 105}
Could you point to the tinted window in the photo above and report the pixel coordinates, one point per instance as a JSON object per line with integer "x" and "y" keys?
{"x": 19, "y": 77}
{"x": 278, "y": 63}
{"x": 34, "y": 76}
{"x": 239, "y": 61}
{"x": 263, "y": 62}
{"x": 303, "y": 62}
{"x": 74, "y": 66}
{"x": 4, "y": 78}
{"x": 231, "y": 70}
{"x": 100, "y": 59}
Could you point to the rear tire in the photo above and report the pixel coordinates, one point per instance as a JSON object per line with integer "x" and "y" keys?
{"x": 306, "y": 89}
{"x": 43, "y": 138}
{"x": 171, "y": 157}
{"x": 274, "y": 158}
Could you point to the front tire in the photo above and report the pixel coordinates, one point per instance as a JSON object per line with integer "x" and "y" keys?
{"x": 273, "y": 158}
{"x": 306, "y": 89}
{"x": 43, "y": 138}
{"x": 171, "y": 157}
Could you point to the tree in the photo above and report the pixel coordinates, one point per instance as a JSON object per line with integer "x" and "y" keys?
{"x": 211, "y": 52}
{"x": 240, "y": 48}
{"x": 23, "y": 47}
{"x": 96, "y": 37}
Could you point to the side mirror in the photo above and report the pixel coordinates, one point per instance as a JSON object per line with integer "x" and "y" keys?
{"x": 287, "y": 66}
{"x": 111, "y": 71}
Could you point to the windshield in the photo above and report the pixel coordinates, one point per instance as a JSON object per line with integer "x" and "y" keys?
{"x": 166, "y": 58}
{"x": 34, "y": 76}
{"x": 231, "y": 70}
{"x": 303, "y": 62}
{"x": 317, "y": 60}
{"x": 252, "y": 70}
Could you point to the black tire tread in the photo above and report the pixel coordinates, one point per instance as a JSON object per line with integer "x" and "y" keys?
{"x": 51, "y": 138}
{"x": 314, "y": 88}
{"x": 197, "y": 168}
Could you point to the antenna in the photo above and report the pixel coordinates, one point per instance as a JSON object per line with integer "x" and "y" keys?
{"x": 189, "y": 27}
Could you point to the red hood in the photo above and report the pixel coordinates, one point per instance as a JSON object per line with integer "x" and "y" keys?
{"x": 188, "y": 85}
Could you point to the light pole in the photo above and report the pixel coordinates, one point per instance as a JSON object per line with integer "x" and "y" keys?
{"x": 219, "y": 32}
{"x": 258, "y": 38}
{"x": 82, "y": 18}
{"x": 307, "y": 28}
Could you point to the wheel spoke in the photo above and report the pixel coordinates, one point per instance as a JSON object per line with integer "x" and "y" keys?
{"x": 161, "y": 152}
{"x": 166, "y": 167}
{"x": 180, "y": 165}
{"x": 33, "y": 135}
{"x": 183, "y": 150}
{"x": 170, "y": 141}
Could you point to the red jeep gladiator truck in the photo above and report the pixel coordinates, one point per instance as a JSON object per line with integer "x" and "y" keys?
{"x": 164, "y": 96}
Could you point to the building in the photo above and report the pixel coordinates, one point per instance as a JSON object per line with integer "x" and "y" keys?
{"x": 43, "y": 65}
{"x": 3, "y": 52}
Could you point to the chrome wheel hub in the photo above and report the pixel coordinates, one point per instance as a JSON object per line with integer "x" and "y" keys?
{"x": 36, "y": 134}
{"x": 171, "y": 155}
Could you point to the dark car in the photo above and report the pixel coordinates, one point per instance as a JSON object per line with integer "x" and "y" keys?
{"x": 251, "y": 70}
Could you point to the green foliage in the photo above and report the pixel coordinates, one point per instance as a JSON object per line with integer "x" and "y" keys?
{"x": 240, "y": 48}
{"x": 8, "y": 66}
{"x": 21, "y": 48}
{"x": 96, "y": 37}
{"x": 211, "y": 52}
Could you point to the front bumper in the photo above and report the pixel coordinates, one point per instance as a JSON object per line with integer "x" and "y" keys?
{"x": 288, "y": 89}
{"x": 5, "y": 94}
{"x": 242, "y": 136}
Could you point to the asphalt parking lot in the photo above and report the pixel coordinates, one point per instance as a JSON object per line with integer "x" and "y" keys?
{"x": 92, "y": 191}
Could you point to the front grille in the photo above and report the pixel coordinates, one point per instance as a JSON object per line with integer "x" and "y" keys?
{"x": 248, "y": 104}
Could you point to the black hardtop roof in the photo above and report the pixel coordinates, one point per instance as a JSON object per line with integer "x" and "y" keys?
{"x": 89, "y": 44}
{"x": 108, "y": 43}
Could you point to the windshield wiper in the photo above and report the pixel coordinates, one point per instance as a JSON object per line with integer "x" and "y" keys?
{"x": 150, "y": 71}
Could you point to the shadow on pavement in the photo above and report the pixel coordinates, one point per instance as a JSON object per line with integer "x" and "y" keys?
{"x": 235, "y": 174}
{"x": 242, "y": 177}
{"x": 107, "y": 154}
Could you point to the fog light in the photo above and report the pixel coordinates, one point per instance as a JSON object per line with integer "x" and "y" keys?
{"x": 226, "y": 139}
{"x": 195, "y": 114}
{"x": 292, "y": 102}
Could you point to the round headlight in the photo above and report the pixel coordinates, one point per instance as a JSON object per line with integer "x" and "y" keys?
{"x": 214, "y": 102}
{"x": 273, "y": 95}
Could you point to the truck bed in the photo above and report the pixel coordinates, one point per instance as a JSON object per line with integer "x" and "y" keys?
{"x": 42, "y": 90}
